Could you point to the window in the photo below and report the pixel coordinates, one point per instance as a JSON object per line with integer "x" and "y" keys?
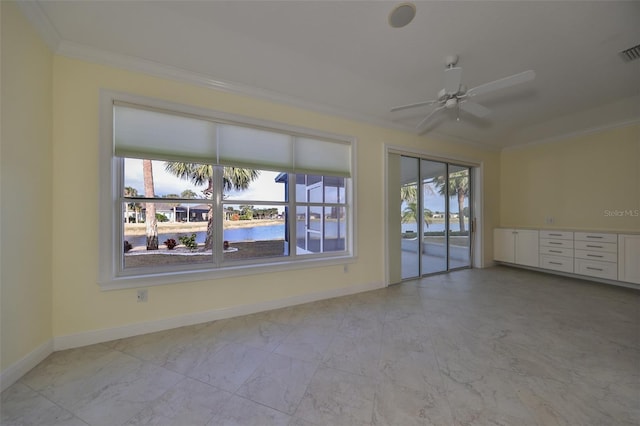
{"x": 195, "y": 194}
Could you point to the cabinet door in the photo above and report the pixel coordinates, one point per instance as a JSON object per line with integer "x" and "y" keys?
{"x": 527, "y": 243}
{"x": 629, "y": 258}
{"x": 504, "y": 245}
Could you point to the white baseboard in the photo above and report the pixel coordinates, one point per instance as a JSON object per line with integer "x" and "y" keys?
{"x": 107, "y": 334}
{"x": 18, "y": 369}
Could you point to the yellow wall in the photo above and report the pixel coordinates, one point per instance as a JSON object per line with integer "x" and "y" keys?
{"x": 25, "y": 188}
{"x": 79, "y": 305}
{"x": 576, "y": 181}
{"x": 49, "y": 182}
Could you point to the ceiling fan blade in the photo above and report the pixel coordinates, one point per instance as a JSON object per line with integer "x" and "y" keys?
{"x": 424, "y": 120}
{"x": 502, "y": 83}
{"x": 452, "y": 80}
{"x": 475, "y": 109}
{"x": 417, "y": 104}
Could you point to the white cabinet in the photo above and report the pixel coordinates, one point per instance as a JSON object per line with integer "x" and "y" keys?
{"x": 519, "y": 246}
{"x": 596, "y": 255}
{"x": 629, "y": 258}
{"x": 504, "y": 245}
{"x": 604, "y": 257}
{"x": 556, "y": 250}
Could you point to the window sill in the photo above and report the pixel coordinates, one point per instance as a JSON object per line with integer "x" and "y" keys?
{"x": 165, "y": 278}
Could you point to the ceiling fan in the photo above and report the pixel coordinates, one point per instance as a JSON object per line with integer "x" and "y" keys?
{"x": 456, "y": 95}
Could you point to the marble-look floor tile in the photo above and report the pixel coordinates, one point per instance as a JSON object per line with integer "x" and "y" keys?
{"x": 115, "y": 393}
{"x": 230, "y": 366}
{"x": 568, "y": 400}
{"x": 359, "y": 324}
{"x": 487, "y": 398}
{"x": 306, "y": 342}
{"x": 415, "y": 370}
{"x": 472, "y": 347}
{"x": 399, "y": 405}
{"x": 255, "y": 332}
{"x": 158, "y": 347}
{"x": 22, "y": 406}
{"x": 279, "y": 382}
{"x": 355, "y": 354}
{"x": 188, "y": 403}
{"x": 239, "y": 411}
{"x": 338, "y": 398}
{"x": 69, "y": 366}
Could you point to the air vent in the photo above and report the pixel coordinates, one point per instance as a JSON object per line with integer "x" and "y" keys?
{"x": 631, "y": 54}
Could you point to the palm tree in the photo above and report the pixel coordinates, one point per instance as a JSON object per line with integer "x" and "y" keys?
{"x": 150, "y": 214}
{"x": 410, "y": 214}
{"x": 199, "y": 174}
{"x": 187, "y": 193}
{"x": 458, "y": 185}
{"x": 409, "y": 194}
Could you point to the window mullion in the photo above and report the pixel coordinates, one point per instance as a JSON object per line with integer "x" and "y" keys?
{"x": 218, "y": 214}
{"x": 292, "y": 215}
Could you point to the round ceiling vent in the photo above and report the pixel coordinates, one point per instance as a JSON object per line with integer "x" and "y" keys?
{"x": 402, "y": 15}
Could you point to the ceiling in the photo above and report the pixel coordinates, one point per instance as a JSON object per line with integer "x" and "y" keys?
{"x": 342, "y": 57}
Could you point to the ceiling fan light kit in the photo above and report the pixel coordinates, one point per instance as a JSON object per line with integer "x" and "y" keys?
{"x": 455, "y": 94}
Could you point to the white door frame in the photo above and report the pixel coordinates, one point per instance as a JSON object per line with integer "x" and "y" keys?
{"x": 477, "y": 176}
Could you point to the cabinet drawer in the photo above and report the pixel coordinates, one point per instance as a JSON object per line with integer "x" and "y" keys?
{"x": 557, "y": 251}
{"x": 591, "y": 236}
{"x": 602, "y": 256}
{"x": 556, "y": 263}
{"x": 546, "y": 242}
{"x": 557, "y": 235}
{"x": 592, "y": 268}
{"x": 596, "y": 246}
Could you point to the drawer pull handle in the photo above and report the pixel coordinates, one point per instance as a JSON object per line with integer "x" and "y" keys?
{"x": 555, "y": 251}
{"x": 556, "y": 235}
{"x": 594, "y": 236}
{"x": 595, "y": 269}
{"x": 555, "y": 263}
{"x": 594, "y": 246}
{"x": 594, "y": 255}
{"x": 556, "y": 243}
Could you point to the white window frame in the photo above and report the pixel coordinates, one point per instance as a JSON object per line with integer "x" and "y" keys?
{"x": 111, "y": 275}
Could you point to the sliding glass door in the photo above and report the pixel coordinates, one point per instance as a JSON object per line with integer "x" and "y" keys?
{"x": 435, "y": 216}
{"x": 459, "y": 241}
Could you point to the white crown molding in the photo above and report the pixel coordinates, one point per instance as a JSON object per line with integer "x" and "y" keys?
{"x": 156, "y": 69}
{"x": 38, "y": 19}
{"x": 574, "y": 134}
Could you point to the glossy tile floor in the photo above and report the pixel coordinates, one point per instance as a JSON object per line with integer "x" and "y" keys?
{"x": 499, "y": 346}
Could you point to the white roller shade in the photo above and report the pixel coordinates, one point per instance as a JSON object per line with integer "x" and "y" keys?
{"x": 322, "y": 157}
{"x": 145, "y": 133}
{"x": 140, "y": 133}
{"x": 259, "y": 149}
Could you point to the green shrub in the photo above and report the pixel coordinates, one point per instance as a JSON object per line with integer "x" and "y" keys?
{"x": 189, "y": 242}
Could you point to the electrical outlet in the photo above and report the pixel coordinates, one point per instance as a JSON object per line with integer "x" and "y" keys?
{"x": 346, "y": 268}
{"x": 143, "y": 295}
{"x": 549, "y": 220}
